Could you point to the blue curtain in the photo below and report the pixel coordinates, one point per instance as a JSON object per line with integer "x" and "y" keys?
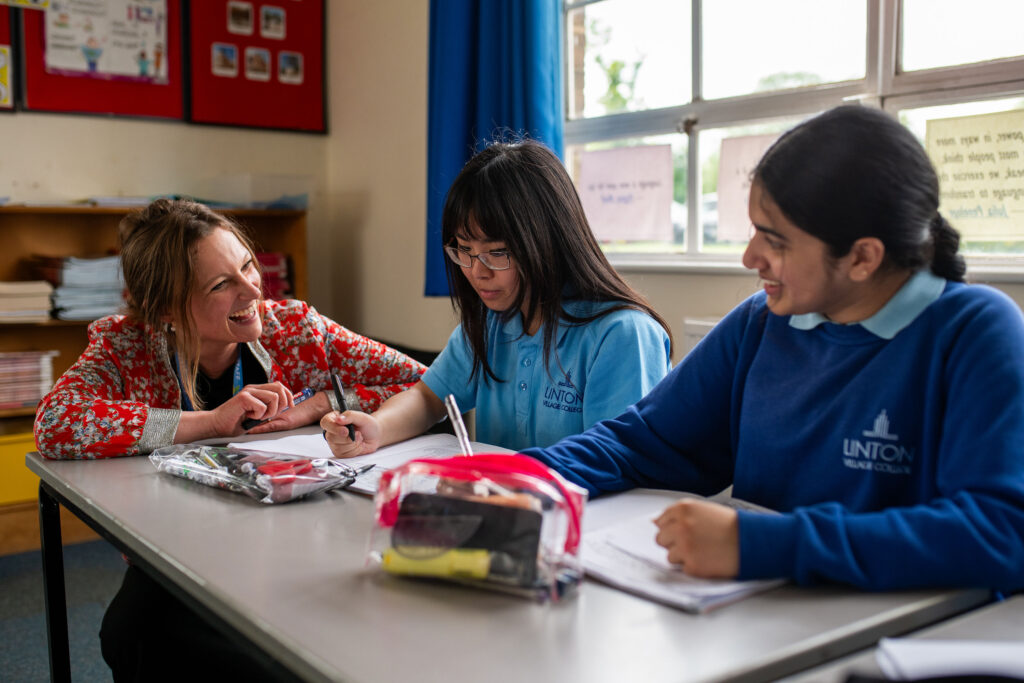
{"x": 495, "y": 70}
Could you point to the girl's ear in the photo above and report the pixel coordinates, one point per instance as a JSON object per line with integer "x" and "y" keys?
{"x": 865, "y": 258}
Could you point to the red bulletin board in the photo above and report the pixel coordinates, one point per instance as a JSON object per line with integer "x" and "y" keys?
{"x": 258, "y": 64}
{"x": 43, "y": 91}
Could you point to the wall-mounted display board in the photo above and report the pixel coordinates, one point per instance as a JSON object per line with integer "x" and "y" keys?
{"x": 6, "y": 57}
{"x": 258, "y": 64}
{"x": 119, "y": 57}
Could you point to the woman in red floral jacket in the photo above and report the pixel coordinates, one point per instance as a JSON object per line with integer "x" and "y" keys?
{"x": 200, "y": 350}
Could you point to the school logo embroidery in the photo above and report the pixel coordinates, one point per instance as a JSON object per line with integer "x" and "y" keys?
{"x": 564, "y": 396}
{"x": 879, "y": 451}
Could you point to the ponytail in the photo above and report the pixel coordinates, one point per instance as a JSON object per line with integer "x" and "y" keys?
{"x": 947, "y": 262}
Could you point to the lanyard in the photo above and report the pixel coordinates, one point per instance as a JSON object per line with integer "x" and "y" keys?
{"x": 236, "y": 381}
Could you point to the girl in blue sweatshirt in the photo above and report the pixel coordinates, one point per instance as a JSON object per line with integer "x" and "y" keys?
{"x": 866, "y": 393}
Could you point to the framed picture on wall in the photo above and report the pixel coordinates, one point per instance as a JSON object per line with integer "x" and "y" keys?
{"x": 257, "y": 64}
{"x": 117, "y": 57}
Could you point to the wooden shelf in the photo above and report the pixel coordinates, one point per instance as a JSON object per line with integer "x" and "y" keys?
{"x": 62, "y": 230}
{"x": 48, "y": 323}
{"x": 18, "y": 412}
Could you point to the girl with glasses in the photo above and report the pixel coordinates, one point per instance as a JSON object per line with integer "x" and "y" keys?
{"x": 867, "y": 393}
{"x": 551, "y": 339}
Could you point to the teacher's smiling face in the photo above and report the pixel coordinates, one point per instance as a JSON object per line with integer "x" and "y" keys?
{"x": 226, "y": 295}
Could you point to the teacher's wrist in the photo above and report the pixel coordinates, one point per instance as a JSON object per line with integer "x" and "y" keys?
{"x": 330, "y": 402}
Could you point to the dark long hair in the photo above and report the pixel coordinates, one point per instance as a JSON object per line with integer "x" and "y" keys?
{"x": 855, "y": 172}
{"x": 519, "y": 193}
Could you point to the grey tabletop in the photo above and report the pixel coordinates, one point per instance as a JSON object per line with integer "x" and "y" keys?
{"x": 293, "y": 578}
{"x": 1000, "y": 621}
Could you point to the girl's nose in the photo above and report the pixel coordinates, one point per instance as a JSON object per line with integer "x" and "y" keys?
{"x": 752, "y": 257}
{"x": 479, "y": 270}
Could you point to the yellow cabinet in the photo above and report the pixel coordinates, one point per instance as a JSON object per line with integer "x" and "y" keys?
{"x": 17, "y": 484}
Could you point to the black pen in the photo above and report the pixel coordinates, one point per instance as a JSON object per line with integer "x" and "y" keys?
{"x": 339, "y": 393}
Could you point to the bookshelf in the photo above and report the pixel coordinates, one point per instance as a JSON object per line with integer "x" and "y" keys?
{"x": 92, "y": 231}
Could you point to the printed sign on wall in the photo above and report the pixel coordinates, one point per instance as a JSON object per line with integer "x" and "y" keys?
{"x": 627, "y": 193}
{"x": 980, "y": 161}
{"x": 737, "y": 159}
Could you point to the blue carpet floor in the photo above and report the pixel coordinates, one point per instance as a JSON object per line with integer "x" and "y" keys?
{"x": 93, "y": 573}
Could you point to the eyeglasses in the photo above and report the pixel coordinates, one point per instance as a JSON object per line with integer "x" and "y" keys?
{"x": 495, "y": 260}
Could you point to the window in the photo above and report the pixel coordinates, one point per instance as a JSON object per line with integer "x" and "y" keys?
{"x": 704, "y": 86}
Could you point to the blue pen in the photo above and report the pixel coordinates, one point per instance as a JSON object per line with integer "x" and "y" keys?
{"x": 249, "y": 423}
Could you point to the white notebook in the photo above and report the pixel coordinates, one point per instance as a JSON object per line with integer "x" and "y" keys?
{"x": 625, "y": 555}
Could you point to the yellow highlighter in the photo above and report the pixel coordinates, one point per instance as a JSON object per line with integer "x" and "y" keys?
{"x": 462, "y": 563}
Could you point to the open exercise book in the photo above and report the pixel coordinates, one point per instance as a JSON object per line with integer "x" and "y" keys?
{"x": 618, "y": 539}
{"x": 620, "y": 550}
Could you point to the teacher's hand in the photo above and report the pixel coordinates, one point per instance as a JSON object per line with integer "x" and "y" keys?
{"x": 253, "y": 401}
{"x": 301, "y": 414}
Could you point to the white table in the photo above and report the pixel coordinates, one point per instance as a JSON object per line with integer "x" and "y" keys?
{"x": 1000, "y": 621}
{"x": 291, "y": 580}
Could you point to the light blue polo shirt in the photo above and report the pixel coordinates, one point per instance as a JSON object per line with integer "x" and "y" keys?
{"x": 597, "y": 370}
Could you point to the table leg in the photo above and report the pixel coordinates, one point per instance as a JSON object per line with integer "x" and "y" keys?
{"x": 54, "y": 592}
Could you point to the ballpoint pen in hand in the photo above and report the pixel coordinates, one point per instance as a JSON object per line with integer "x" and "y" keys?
{"x": 339, "y": 393}
{"x": 299, "y": 397}
{"x": 460, "y": 427}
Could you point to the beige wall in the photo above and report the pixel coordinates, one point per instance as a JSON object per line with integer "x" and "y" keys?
{"x": 61, "y": 158}
{"x": 376, "y": 171}
{"x": 368, "y": 205}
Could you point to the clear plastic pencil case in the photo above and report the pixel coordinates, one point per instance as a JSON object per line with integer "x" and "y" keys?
{"x": 267, "y": 477}
{"x": 504, "y": 522}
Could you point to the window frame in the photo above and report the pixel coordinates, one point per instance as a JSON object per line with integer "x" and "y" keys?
{"x": 884, "y": 86}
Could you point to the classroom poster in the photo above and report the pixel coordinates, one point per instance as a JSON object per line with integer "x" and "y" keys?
{"x": 627, "y": 193}
{"x": 110, "y": 39}
{"x": 6, "y": 100}
{"x": 738, "y": 156}
{"x": 27, "y": 4}
{"x": 980, "y": 161}
{"x": 6, "y": 67}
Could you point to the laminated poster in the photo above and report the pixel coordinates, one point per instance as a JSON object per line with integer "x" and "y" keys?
{"x": 738, "y": 157}
{"x": 980, "y": 161}
{"x": 627, "y": 193}
{"x": 6, "y": 101}
{"x": 108, "y": 39}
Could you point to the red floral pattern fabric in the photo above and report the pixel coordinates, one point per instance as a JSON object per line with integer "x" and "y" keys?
{"x": 100, "y": 406}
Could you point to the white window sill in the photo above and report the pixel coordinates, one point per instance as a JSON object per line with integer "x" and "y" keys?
{"x": 986, "y": 270}
{"x": 657, "y": 263}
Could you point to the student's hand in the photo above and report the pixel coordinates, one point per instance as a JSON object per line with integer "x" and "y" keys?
{"x": 335, "y": 426}
{"x": 256, "y": 401}
{"x": 299, "y": 415}
{"x": 701, "y": 536}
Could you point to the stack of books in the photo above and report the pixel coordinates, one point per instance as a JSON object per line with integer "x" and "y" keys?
{"x": 25, "y": 377}
{"x": 25, "y": 302}
{"x": 276, "y": 281}
{"x": 86, "y": 288}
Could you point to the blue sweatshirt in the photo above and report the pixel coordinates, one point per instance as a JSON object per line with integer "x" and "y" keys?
{"x": 893, "y": 447}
